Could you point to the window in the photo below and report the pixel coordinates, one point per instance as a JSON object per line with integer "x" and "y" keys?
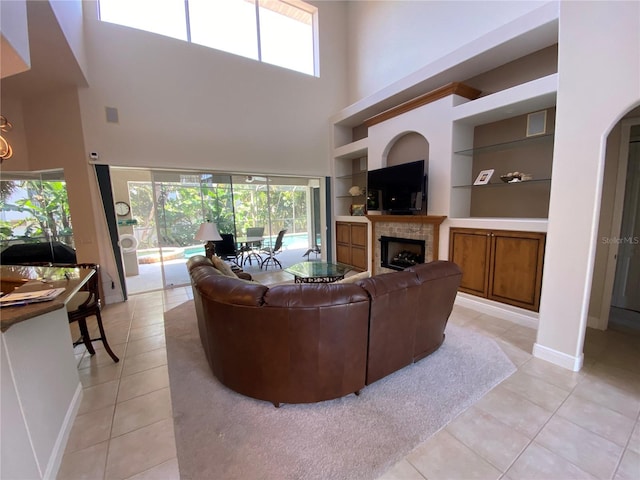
{"x": 166, "y": 17}
{"x": 286, "y": 34}
{"x": 34, "y": 208}
{"x": 228, "y": 26}
{"x": 279, "y": 32}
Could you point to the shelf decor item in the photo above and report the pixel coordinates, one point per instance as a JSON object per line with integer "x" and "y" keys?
{"x": 356, "y": 191}
{"x": 483, "y": 177}
{"x": 358, "y": 210}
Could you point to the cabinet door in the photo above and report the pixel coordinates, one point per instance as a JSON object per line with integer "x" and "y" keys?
{"x": 359, "y": 258}
{"x": 343, "y": 232}
{"x": 470, "y": 250}
{"x": 359, "y": 246}
{"x": 516, "y": 268}
{"x": 343, "y": 254}
{"x": 359, "y": 234}
{"x": 351, "y": 244}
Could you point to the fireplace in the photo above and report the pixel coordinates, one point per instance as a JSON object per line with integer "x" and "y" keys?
{"x": 400, "y": 253}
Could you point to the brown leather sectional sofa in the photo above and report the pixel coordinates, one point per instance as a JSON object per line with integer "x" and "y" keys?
{"x": 303, "y": 343}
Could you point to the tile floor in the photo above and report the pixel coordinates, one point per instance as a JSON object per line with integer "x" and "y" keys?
{"x": 543, "y": 422}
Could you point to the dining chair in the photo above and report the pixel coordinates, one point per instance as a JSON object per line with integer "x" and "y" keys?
{"x": 84, "y": 304}
{"x": 252, "y": 249}
{"x": 226, "y": 248}
{"x": 271, "y": 252}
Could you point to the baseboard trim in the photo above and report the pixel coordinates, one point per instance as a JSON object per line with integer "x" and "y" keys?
{"x": 55, "y": 460}
{"x": 597, "y": 323}
{"x": 561, "y": 359}
{"x": 497, "y": 309}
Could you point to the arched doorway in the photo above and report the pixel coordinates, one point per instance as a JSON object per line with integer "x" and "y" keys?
{"x": 616, "y": 277}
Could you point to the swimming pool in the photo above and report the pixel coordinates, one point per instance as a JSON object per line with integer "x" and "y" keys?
{"x": 296, "y": 240}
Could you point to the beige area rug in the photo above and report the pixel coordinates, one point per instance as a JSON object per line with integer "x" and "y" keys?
{"x": 223, "y": 435}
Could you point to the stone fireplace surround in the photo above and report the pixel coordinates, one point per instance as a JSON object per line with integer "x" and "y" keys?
{"x": 416, "y": 227}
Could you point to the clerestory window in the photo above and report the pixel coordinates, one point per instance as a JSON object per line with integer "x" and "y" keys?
{"x": 278, "y": 32}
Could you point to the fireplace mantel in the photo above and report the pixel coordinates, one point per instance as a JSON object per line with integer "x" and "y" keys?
{"x": 435, "y": 219}
{"x": 426, "y": 227}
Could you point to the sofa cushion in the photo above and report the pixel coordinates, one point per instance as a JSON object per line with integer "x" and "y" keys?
{"x": 223, "y": 267}
{"x": 232, "y": 291}
{"x": 203, "y": 271}
{"x": 197, "y": 261}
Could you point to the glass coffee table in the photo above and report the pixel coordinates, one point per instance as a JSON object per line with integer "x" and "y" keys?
{"x": 317, "y": 272}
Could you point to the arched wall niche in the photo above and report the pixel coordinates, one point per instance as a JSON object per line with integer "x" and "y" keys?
{"x": 407, "y": 147}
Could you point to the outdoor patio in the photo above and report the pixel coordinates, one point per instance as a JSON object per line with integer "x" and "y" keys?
{"x": 150, "y": 276}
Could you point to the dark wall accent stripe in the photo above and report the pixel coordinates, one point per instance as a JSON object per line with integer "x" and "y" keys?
{"x": 104, "y": 182}
{"x": 329, "y": 246}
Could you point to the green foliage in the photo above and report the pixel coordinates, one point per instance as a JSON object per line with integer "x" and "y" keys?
{"x": 46, "y": 206}
{"x": 181, "y": 208}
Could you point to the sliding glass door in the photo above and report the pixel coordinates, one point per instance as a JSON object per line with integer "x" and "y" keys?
{"x": 183, "y": 202}
{"x": 278, "y": 203}
{"x": 167, "y": 208}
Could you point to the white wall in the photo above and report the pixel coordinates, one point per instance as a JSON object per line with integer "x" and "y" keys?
{"x": 69, "y": 16}
{"x": 388, "y": 40}
{"x": 186, "y": 106}
{"x": 599, "y": 81}
{"x": 16, "y": 57}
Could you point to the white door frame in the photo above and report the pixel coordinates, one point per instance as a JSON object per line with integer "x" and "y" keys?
{"x": 616, "y": 221}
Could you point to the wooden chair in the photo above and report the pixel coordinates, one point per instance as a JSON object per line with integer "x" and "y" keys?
{"x": 86, "y": 303}
{"x": 271, "y": 252}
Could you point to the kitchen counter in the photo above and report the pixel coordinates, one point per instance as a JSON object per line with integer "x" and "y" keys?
{"x": 40, "y": 385}
{"x": 29, "y": 279}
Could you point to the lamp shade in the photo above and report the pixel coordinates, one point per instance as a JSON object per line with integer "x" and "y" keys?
{"x": 208, "y": 232}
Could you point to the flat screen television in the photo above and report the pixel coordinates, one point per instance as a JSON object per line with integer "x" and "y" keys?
{"x": 398, "y": 189}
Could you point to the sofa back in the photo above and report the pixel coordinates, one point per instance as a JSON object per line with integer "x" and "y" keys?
{"x": 439, "y": 282}
{"x": 289, "y": 343}
{"x": 408, "y": 314}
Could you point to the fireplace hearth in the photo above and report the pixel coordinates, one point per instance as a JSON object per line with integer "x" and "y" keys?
{"x": 400, "y": 253}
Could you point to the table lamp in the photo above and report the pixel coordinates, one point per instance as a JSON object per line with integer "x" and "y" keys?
{"x": 208, "y": 232}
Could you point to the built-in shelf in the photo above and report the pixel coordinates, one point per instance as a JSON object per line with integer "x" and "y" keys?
{"x": 351, "y": 196}
{"x": 498, "y": 147}
{"x": 503, "y": 184}
{"x": 352, "y": 150}
{"x": 502, "y": 146}
{"x": 351, "y": 175}
{"x": 537, "y": 94}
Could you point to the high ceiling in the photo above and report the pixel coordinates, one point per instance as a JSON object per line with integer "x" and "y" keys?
{"x": 53, "y": 65}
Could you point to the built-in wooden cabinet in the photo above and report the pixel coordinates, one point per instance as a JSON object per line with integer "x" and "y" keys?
{"x": 500, "y": 265}
{"x": 351, "y": 244}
